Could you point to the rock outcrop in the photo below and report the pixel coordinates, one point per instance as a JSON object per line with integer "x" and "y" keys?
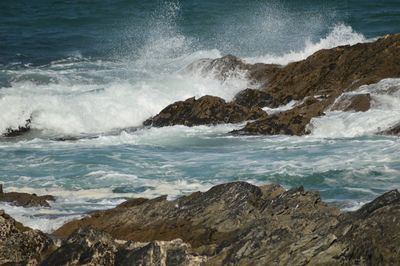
{"x": 326, "y": 75}
{"x": 291, "y": 122}
{"x": 207, "y": 110}
{"x": 229, "y": 65}
{"x": 352, "y": 103}
{"x": 20, "y": 245}
{"x": 25, "y": 199}
{"x": 242, "y": 224}
{"x": 231, "y": 224}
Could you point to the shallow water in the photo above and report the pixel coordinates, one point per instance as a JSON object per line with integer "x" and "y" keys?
{"x": 94, "y": 73}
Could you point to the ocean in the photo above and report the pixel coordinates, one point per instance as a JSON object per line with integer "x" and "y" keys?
{"x": 91, "y": 73}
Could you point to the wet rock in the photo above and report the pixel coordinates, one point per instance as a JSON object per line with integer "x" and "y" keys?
{"x": 20, "y": 245}
{"x": 15, "y": 132}
{"x": 334, "y": 71}
{"x": 352, "y": 102}
{"x": 229, "y": 65}
{"x": 392, "y": 131}
{"x": 253, "y": 98}
{"x": 291, "y": 122}
{"x": 207, "y": 110}
{"x": 25, "y": 199}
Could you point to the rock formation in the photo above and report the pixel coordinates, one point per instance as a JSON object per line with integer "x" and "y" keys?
{"x": 20, "y": 245}
{"x": 207, "y": 110}
{"x": 242, "y": 224}
{"x": 25, "y": 199}
{"x": 231, "y": 224}
{"x": 325, "y": 76}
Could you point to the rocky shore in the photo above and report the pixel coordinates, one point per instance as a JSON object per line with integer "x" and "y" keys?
{"x": 230, "y": 224}
{"x": 317, "y": 84}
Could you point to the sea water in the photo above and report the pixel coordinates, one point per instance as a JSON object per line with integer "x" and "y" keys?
{"x": 90, "y": 74}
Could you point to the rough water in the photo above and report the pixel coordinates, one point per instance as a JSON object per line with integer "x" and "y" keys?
{"x": 92, "y": 74}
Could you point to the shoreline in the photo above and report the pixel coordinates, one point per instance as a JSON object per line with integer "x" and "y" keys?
{"x": 213, "y": 227}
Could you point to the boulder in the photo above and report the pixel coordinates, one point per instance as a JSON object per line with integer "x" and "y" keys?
{"x": 20, "y": 245}
{"x": 207, "y": 110}
{"x": 25, "y": 199}
{"x": 352, "y": 102}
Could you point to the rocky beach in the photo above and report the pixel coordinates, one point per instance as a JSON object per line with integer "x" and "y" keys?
{"x": 238, "y": 223}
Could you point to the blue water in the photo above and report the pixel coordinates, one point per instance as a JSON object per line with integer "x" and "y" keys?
{"x": 95, "y": 71}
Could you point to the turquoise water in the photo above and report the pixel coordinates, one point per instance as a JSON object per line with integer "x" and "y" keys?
{"x": 96, "y": 72}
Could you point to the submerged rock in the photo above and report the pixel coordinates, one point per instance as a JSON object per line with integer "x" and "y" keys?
{"x": 352, "y": 102}
{"x": 15, "y": 132}
{"x": 393, "y": 131}
{"x": 207, "y": 110}
{"x": 25, "y": 199}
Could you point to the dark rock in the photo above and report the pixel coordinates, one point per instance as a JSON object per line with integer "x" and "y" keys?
{"x": 207, "y": 110}
{"x": 291, "y": 122}
{"x": 26, "y": 199}
{"x": 253, "y": 98}
{"x": 20, "y": 245}
{"x": 352, "y": 102}
{"x": 334, "y": 71}
{"x": 393, "y": 131}
{"x": 15, "y": 132}
{"x": 230, "y": 65}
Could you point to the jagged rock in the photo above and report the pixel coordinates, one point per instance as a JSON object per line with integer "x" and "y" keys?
{"x": 20, "y": 245}
{"x": 393, "y": 131}
{"x": 331, "y": 72}
{"x": 239, "y": 222}
{"x": 207, "y": 110}
{"x": 15, "y": 132}
{"x": 229, "y": 65}
{"x": 253, "y": 98}
{"x": 231, "y": 224}
{"x": 88, "y": 246}
{"x": 352, "y": 102}
{"x": 291, "y": 122}
{"x": 25, "y": 199}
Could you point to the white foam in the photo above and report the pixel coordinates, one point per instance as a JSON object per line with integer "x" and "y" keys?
{"x": 383, "y": 114}
{"x": 340, "y": 35}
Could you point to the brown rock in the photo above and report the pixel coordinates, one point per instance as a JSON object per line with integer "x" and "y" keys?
{"x": 352, "y": 102}
{"x": 26, "y": 199}
{"x": 207, "y": 110}
{"x": 291, "y": 122}
{"x": 229, "y": 65}
{"x": 337, "y": 70}
{"x": 20, "y": 245}
{"x": 253, "y": 98}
